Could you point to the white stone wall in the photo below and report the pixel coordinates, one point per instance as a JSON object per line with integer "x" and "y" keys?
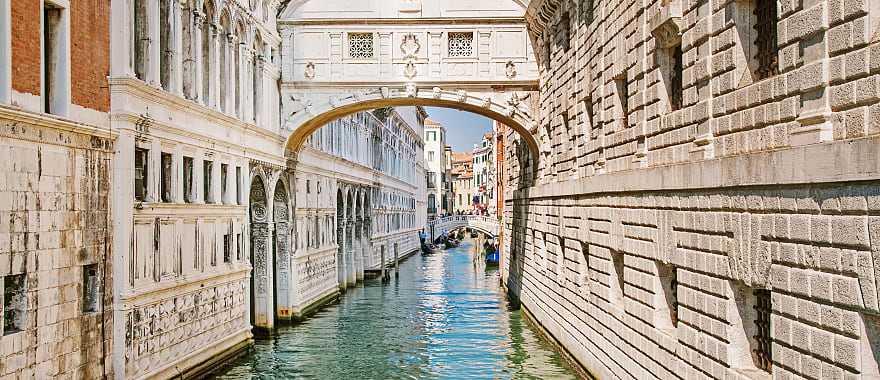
{"x": 201, "y": 90}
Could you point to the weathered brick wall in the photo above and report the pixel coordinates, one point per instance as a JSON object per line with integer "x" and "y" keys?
{"x": 753, "y": 184}
{"x": 54, "y": 198}
{"x": 25, "y": 46}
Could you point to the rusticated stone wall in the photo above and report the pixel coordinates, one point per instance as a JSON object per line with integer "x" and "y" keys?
{"x": 652, "y": 230}
{"x": 54, "y": 199}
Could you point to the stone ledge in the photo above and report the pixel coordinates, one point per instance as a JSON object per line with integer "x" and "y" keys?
{"x": 839, "y": 161}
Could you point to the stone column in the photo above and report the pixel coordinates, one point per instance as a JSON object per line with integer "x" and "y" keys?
{"x": 214, "y": 57}
{"x": 350, "y": 278}
{"x": 198, "y": 178}
{"x": 229, "y": 96}
{"x": 177, "y": 47}
{"x": 198, "y": 24}
{"x": 340, "y": 253}
{"x": 153, "y": 50}
{"x": 258, "y": 89}
{"x": 261, "y": 236}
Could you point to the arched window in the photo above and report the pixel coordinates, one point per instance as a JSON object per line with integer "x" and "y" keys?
{"x": 208, "y": 13}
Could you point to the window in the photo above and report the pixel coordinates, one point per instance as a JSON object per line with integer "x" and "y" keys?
{"x": 167, "y": 173}
{"x": 765, "y": 28}
{"x": 564, "y": 28}
{"x": 5, "y": 50}
{"x": 308, "y": 186}
{"x": 666, "y": 297}
{"x": 188, "y": 179}
{"x": 622, "y": 99}
{"x": 56, "y": 61}
{"x": 166, "y": 48}
{"x": 676, "y": 88}
{"x": 430, "y": 156}
{"x": 207, "y": 174}
{"x": 360, "y": 45}
{"x": 432, "y": 136}
{"x": 238, "y": 246}
{"x": 14, "y": 304}
{"x": 750, "y": 328}
{"x": 238, "y": 194}
{"x": 763, "y": 310}
{"x": 227, "y": 248}
{"x": 90, "y": 288}
{"x": 616, "y": 281}
{"x": 224, "y": 168}
{"x": 141, "y": 173}
{"x": 461, "y": 44}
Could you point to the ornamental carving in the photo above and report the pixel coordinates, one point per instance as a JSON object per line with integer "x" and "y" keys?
{"x": 410, "y": 70}
{"x": 510, "y": 70}
{"x": 410, "y": 46}
{"x": 666, "y": 24}
{"x": 310, "y": 70}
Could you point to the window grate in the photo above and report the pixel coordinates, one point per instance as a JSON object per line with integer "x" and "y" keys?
{"x": 763, "y": 310}
{"x": 765, "y": 26}
{"x": 673, "y": 289}
{"x": 461, "y": 44}
{"x": 360, "y": 45}
{"x": 676, "y": 79}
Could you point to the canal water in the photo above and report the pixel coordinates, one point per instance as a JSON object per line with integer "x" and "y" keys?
{"x": 443, "y": 316}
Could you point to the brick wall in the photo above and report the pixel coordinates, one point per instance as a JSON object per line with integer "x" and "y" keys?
{"x": 25, "y": 46}
{"x": 752, "y": 184}
{"x": 90, "y": 53}
{"x": 55, "y": 198}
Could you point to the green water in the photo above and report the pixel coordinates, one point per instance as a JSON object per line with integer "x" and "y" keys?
{"x": 442, "y": 317}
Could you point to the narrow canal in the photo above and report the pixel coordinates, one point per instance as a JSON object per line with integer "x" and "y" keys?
{"x": 443, "y": 316}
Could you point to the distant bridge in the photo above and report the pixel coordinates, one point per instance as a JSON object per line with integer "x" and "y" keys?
{"x": 485, "y": 224}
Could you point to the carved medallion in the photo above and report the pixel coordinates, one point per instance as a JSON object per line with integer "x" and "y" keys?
{"x": 510, "y": 70}
{"x": 310, "y": 71}
{"x": 410, "y": 46}
{"x": 410, "y": 70}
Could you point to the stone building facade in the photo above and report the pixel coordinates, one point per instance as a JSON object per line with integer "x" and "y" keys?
{"x": 705, "y": 204}
{"x": 55, "y": 184}
{"x": 192, "y": 84}
{"x": 358, "y": 182}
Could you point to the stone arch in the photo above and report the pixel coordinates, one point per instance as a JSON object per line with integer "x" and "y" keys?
{"x": 206, "y": 23}
{"x": 305, "y": 116}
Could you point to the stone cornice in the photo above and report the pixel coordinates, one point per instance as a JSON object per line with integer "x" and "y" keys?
{"x": 488, "y": 86}
{"x": 54, "y": 122}
{"x": 539, "y": 14}
{"x": 405, "y": 21}
{"x": 845, "y": 160}
{"x": 137, "y": 88}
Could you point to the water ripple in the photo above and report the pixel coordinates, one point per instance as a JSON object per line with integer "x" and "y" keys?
{"x": 443, "y": 317}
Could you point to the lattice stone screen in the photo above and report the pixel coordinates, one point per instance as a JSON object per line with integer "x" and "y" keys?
{"x": 360, "y": 45}
{"x": 461, "y": 44}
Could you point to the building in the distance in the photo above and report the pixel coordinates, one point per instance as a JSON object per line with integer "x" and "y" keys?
{"x": 435, "y": 166}
{"x": 484, "y": 174}
{"x": 462, "y": 175}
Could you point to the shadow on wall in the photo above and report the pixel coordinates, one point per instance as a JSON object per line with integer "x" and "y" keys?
{"x": 518, "y": 220}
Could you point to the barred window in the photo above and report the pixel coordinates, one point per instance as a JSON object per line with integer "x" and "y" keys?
{"x": 141, "y": 171}
{"x": 90, "y": 291}
{"x": 360, "y": 45}
{"x": 765, "y": 28}
{"x": 763, "y": 348}
{"x": 676, "y": 90}
{"x": 461, "y": 44}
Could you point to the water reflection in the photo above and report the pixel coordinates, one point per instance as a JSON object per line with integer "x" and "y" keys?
{"x": 440, "y": 317}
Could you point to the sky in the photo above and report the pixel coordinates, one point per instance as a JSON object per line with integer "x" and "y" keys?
{"x": 463, "y": 129}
